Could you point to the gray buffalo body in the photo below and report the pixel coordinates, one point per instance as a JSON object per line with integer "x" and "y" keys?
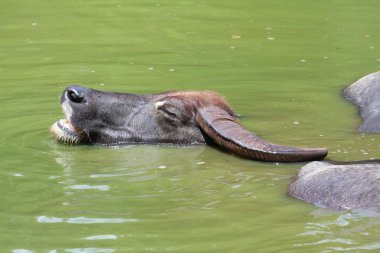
{"x": 339, "y": 186}
{"x": 365, "y": 93}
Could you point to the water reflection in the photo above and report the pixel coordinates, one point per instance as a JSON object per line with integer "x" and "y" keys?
{"x": 129, "y": 160}
{"x": 84, "y": 167}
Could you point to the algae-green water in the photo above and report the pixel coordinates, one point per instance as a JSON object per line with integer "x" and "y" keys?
{"x": 281, "y": 65}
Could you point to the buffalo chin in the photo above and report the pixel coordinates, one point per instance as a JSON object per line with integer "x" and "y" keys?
{"x": 65, "y": 132}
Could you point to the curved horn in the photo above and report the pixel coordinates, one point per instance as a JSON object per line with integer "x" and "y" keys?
{"x": 223, "y": 129}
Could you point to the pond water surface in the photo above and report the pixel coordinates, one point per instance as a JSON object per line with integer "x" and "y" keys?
{"x": 280, "y": 64}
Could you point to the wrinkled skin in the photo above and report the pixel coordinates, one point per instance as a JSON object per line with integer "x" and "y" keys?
{"x": 365, "y": 93}
{"x": 183, "y": 117}
{"x": 340, "y": 186}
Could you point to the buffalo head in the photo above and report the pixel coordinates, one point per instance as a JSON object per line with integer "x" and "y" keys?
{"x": 179, "y": 117}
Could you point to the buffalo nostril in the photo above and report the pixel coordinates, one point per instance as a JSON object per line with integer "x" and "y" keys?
{"x": 75, "y": 96}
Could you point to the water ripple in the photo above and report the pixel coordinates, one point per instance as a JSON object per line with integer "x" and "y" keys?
{"x": 373, "y": 246}
{"x": 116, "y": 174}
{"x": 74, "y": 250}
{"x": 83, "y": 220}
{"x": 22, "y": 251}
{"x": 342, "y": 232}
{"x": 325, "y": 241}
{"x": 101, "y": 237}
{"x": 89, "y": 250}
{"x": 88, "y": 187}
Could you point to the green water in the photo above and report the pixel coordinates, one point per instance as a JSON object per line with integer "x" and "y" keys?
{"x": 281, "y": 64}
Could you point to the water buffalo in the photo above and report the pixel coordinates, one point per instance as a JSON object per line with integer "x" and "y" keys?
{"x": 179, "y": 117}
{"x": 341, "y": 186}
{"x": 365, "y": 93}
{"x": 352, "y": 185}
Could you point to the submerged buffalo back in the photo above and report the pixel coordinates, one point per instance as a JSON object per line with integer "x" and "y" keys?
{"x": 365, "y": 94}
{"x": 341, "y": 187}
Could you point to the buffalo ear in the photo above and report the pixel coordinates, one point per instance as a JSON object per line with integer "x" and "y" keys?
{"x": 173, "y": 109}
{"x": 223, "y": 128}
